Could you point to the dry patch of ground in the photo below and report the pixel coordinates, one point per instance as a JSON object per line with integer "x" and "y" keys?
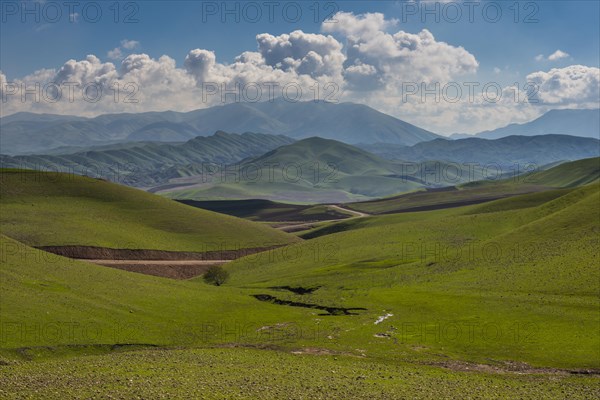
{"x": 174, "y": 269}
{"x": 162, "y": 263}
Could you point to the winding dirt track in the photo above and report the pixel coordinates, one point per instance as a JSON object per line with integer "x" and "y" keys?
{"x": 357, "y": 214}
{"x": 292, "y": 227}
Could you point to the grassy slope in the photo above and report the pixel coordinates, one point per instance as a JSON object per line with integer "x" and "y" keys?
{"x": 44, "y": 209}
{"x": 529, "y": 272}
{"x": 540, "y": 291}
{"x": 569, "y": 174}
{"x": 317, "y": 170}
{"x": 73, "y": 302}
{"x": 538, "y": 305}
{"x": 150, "y": 164}
{"x": 265, "y": 210}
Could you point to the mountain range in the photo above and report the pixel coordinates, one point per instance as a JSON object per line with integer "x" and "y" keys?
{"x": 507, "y": 151}
{"x": 26, "y": 133}
{"x": 150, "y": 164}
{"x": 360, "y": 172}
{"x": 585, "y": 123}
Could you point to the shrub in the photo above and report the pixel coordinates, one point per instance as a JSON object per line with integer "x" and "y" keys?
{"x": 216, "y": 275}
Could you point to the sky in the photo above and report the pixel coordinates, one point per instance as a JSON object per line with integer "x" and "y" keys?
{"x": 446, "y": 66}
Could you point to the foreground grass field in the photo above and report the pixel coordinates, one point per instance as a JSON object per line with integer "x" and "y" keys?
{"x": 54, "y": 209}
{"x": 473, "y": 284}
{"x": 267, "y": 374}
{"x": 497, "y": 300}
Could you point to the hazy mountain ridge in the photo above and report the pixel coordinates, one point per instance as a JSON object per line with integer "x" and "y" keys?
{"x": 584, "y": 123}
{"x": 539, "y": 150}
{"x": 24, "y": 133}
{"x": 316, "y": 170}
{"x": 153, "y": 163}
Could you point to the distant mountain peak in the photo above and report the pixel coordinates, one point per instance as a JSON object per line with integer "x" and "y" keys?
{"x": 573, "y": 122}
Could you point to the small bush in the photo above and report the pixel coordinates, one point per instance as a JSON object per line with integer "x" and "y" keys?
{"x": 216, "y": 275}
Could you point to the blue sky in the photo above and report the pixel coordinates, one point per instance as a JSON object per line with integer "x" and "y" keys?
{"x": 505, "y": 51}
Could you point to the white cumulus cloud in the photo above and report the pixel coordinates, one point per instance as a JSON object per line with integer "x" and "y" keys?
{"x": 557, "y": 55}
{"x": 375, "y": 57}
{"x": 126, "y": 46}
{"x": 576, "y": 85}
{"x": 366, "y": 57}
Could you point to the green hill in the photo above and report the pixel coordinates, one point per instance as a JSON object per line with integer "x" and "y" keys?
{"x": 499, "y": 287}
{"x": 506, "y": 152}
{"x": 55, "y": 209}
{"x": 484, "y": 299}
{"x": 347, "y": 159}
{"x": 317, "y": 170}
{"x": 570, "y": 174}
{"x": 564, "y": 175}
{"x": 152, "y": 164}
{"x": 528, "y": 274}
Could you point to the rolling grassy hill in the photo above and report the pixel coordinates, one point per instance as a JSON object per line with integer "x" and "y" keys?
{"x": 318, "y": 170}
{"x": 507, "y": 152}
{"x": 452, "y": 277}
{"x": 564, "y": 175}
{"x": 269, "y": 211}
{"x": 152, "y": 164}
{"x": 484, "y": 299}
{"x": 48, "y": 209}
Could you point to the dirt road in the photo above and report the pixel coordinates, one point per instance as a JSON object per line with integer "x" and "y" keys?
{"x": 295, "y": 227}
{"x": 357, "y": 214}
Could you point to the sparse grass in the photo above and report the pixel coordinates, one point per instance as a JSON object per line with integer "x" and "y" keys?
{"x": 266, "y": 374}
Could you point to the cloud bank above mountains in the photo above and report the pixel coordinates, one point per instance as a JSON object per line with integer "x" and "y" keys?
{"x": 362, "y": 58}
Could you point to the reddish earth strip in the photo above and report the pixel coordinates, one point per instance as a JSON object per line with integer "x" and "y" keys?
{"x": 104, "y": 253}
{"x": 166, "y": 264}
{"x": 174, "y": 269}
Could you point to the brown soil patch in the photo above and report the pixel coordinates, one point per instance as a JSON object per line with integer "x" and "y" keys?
{"x": 166, "y": 264}
{"x": 104, "y": 253}
{"x": 166, "y": 269}
{"x": 316, "y": 351}
{"x": 514, "y": 367}
{"x": 319, "y": 351}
